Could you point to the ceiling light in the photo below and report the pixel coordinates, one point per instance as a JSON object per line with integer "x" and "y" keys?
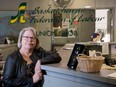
{"x": 87, "y": 6}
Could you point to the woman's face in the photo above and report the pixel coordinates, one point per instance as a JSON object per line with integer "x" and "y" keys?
{"x": 28, "y": 40}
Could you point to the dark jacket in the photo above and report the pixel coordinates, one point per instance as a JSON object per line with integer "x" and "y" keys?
{"x": 14, "y": 74}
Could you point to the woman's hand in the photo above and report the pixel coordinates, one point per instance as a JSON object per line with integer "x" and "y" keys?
{"x": 38, "y": 66}
{"x": 38, "y": 74}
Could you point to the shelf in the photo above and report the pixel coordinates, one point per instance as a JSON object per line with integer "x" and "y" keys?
{"x": 64, "y": 37}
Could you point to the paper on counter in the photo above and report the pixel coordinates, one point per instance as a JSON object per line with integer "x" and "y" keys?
{"x": 112, "y": 75}
{"x": 92, "y": 53}
{"x": 67, "y": 48}
{"x": 104, "y": 66}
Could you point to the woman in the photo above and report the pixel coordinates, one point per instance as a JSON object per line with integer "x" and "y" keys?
{"x": 96, "y": 37}
{"x": 22, "y": 68}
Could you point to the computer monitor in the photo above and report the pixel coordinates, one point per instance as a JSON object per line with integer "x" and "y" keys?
{"x": 77, "y": 49}
{"x": 81, "y": 49}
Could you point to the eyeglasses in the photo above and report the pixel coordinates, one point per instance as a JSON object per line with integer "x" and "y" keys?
{"x": 27, "y": 37}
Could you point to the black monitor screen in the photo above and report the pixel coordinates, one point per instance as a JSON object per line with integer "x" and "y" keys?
{"x": 78, "y": 49}
{"x": 81, "y": 49}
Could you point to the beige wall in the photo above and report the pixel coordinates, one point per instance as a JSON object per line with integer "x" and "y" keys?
{"x": 44, "y": 4}
{"x": 12, "y": 4}
{"x": 45, "y": 41}
{"x": 80, "y": 4}
{"x": 109, "y": 4}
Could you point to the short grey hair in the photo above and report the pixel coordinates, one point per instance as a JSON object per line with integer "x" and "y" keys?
{"x": 19, "y": 44}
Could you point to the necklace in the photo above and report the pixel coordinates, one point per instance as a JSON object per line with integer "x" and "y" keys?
{"x": 26, "y": 56}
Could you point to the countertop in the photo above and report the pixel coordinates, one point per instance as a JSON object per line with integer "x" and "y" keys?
{"x": 61, "y": 67}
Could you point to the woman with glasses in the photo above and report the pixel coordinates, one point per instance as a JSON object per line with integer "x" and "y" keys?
{"x": 23, "y": 67}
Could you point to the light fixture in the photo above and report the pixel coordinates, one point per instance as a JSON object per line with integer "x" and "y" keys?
{"x": 88, "y": 6}
{"x": 62, "y": 3}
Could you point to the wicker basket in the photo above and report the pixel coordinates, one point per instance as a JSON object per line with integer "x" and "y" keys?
{"x": 90, "y": 64}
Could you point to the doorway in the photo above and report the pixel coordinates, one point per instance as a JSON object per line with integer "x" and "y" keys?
{"x": 105, "y": 26}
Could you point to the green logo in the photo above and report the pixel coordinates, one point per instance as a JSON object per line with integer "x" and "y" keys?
{"x": 20, "y": 15}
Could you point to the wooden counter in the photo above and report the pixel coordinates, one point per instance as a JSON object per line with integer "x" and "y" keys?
{"x": 59, "y": 75}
